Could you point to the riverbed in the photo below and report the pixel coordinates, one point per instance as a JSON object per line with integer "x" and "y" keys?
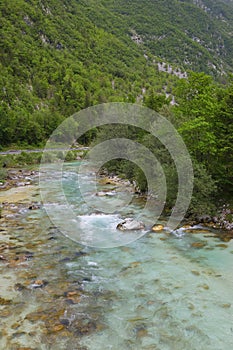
{"x": 167, "y": 290}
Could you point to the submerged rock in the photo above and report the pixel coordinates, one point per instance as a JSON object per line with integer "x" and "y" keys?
{"x": 5, "y": 313}
{"x": 226, "y": 236}
{"x": 196, "y": 230}
{"x": 20, "y": 287}
{"x": 196, "y": 273}
{"x": 73, "y": 297}
{"x": 85, "y": 326}
{"x": 198, "y": 244}
{"x": 130, "y": 224}
{"x": 226, "y": 306}
{"x": 204, "y": 286}
{"x": 5, "y": 301}
{"x": 222, "y": 245}
{"x": 141, "y": 332}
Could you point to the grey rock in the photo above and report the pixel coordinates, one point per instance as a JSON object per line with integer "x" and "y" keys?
{"x": 130, "y": 224}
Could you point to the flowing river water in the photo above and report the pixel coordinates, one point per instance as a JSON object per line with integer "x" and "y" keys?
{"x": 162, "y": 291}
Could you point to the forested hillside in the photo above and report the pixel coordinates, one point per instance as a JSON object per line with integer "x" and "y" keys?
{"x": 196, "y": 34}
{"x": 56, "y": 61}
{"x": 60, "y": 56}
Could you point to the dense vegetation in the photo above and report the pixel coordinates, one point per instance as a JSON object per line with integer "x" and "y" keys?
{"x": 55, "y": 61}
{"x": 203, "y": 116}
{"x": 195, "y": 34}
{"x": 60, "y": 56}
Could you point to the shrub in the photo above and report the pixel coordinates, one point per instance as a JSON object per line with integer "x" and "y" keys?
{"x": 3, "y": 174}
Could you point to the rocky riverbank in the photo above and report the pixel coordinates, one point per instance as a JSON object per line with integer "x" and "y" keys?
{"x": 221, "y": 224}
{"x": 18, "y": 178}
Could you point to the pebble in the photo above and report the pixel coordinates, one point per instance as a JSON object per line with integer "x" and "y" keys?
{"x": 34, "y": 206}
{"x": 16, "y": 325}
{"x": 191, "y": 306}
{"x": 141, "y": 332}
{"x": 65, "y": 322}
{"x": 157, "y": 228}
{"x": 135, "y": 264}
{"x": 18, "y": 334}
{"x": 58, "y": 327}
{"x": 5, "y": 313}
{"x": 39, "y": 284}
{"x": 204, "y": 286}
{"x": 19, "y": 287}
{"x": 226, "y": 306}
{"x": 2, "y": 257}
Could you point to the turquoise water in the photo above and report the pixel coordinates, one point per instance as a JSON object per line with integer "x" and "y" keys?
{"x": 158, "y": 292}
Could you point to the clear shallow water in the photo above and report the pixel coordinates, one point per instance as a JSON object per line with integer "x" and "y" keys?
{"x": 158, "y": 292}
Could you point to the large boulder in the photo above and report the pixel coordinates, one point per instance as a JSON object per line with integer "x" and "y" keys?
{"x": 130, "y": 224}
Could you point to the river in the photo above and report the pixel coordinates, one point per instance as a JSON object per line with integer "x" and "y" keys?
{"x": 160, "y": 291}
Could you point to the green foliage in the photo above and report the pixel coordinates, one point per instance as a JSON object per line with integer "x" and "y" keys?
{"x": 204, "y": 193}
{"x": 53, "y": 65}
{"x": 222, "y": 166}
{"x": 204, "y": 118}
{"x": 206, "y": 114}
{"x": 3, "y": 174}
{"x": 16, "y": 160}
{"x": 7, "y": 161}
{"x": 25, "y": 158}
{"x": 156, "y": 101}
{"x": 182, "y": 32}
{"x": 71, "y": 155}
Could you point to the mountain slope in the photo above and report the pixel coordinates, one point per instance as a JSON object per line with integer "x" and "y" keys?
{"x": 60, "y": 56}
{"x": 55, "y": 61}
{"x": 196, "y": 34}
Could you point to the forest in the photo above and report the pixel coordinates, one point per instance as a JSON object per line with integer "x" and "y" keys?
{"x": 59, "y": 57}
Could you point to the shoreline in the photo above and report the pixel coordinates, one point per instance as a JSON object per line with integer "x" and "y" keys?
{"x": 21, "y": 188}
{"x": 18, "y": 178}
